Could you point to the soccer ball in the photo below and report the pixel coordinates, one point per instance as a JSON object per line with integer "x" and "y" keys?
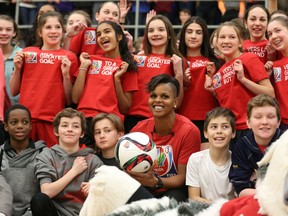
{"x": 135, "y": 152}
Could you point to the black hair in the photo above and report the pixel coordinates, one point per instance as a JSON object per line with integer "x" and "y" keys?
{"x": 256, "y": 6}
{"x": 163, "y": 79}
{"x": 14, "y": 107}
{"x": 123, "y": 48}
{"x": 206, "y": 49}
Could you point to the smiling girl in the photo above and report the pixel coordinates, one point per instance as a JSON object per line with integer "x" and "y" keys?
{"x": 83, "y": 39}
{"x": 161, "y": 57}
{"x": 105, "y": 83}
{"x": 43, "y": 77}
{"x": 240, "y": 78}
{"x": 194, "y": 44}
{"x": 8, "y": 32}
{"x": 277, "y": 32}
{"x": 256, "y": 20}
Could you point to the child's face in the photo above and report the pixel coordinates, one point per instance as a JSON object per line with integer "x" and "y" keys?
{"x": 106, "y": 38}
{"x": 228, "y": 42}
{"x": 277, "y": 34}
{"x": 183, "y": 16}
{"x": 69, "y": 131}
{"x": 263, "y": 122}
{"x": 194, "y": 36}
{"x": 6, "y": 32}
{"x": 106, "y": 135}
{"x": 51, "y": 32}
{"x": 19, "y": 125}
{"x": 75, "y": 18}
{"x": 219, "y": 133}
{"x": 109, "y": 11}
{"x": 157, "y": 35}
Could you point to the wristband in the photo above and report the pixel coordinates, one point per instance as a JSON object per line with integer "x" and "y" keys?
{"x": 81, "y": 68}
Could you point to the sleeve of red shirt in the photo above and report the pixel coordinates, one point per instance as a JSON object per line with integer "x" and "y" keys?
{"x": 191, "y": 144}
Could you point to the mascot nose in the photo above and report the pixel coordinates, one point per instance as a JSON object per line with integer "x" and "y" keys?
{"x": 286, "y": 190}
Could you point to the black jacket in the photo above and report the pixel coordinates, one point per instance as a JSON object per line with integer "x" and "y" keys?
{"x": 245, "y": 156}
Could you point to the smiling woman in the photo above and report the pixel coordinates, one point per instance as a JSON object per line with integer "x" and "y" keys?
{"x": 175, "y": 136}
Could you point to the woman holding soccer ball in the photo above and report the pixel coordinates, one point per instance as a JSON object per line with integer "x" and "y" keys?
{"x": 175, "y": 136}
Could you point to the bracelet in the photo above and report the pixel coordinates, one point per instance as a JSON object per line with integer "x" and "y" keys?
{"x": 82, "y": 68}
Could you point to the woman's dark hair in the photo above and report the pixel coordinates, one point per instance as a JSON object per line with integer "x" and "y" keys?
{"x": 206, "y": 49}
{"x": 171, "y": 47}
{"x": 42, "y": 20}
{"x": 33, "y": 32}
{"x": 246, "y": 14}
{"x": 14, "y": 107}
{"x": 123, "y": 48}
{"x": 163, "y": 79}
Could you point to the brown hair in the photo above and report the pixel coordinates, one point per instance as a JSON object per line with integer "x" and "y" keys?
{"x": 262, "y": 100}
{"x": 41, "y": 22}
{"x": 220, "y": 111}
{"x": 69, "y": 113}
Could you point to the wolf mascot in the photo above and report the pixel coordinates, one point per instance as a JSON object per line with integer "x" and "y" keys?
{"x": 271, "y": 197}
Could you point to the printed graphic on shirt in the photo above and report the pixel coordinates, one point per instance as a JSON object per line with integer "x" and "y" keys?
{"x": 109, "y": 68}
{"x": 90, "y": 37}
{"x": 140, "y": 60}
{"x": 216, "y": 80}
{"x": 49, "y": 58}
{"x": 30, "y": 57}
{"x": 259, "y": 51}
{"x": 156, "y": 62}
{"x": 277, "y": 74}
{"x": 95, "y": 67}
{"x": 165, "y": 166}
{"x": 198, "y": 63}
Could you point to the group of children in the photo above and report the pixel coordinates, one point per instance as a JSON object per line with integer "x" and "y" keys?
{"x": 170, "y": 93}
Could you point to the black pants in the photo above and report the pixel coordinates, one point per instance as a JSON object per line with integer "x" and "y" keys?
{"x": 42, "y": 205}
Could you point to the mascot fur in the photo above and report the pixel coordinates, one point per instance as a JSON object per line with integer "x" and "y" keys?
{"x": 111, "y": 189}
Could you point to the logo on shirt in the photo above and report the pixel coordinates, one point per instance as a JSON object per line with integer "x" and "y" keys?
{"x": 216, "y": 80}
{"x": 95, "y": 67}
{"x": 30, "y": 57}
{"x": 90, "y": 37}
{"x": 277, "y": 74}
{"x": 140, "y": 60}
{"x": 164, "y": 165}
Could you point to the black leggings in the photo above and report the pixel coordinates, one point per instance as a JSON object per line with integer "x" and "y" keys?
{"x": 42, "y": 205}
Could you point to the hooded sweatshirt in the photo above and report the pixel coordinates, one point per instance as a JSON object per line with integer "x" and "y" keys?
{"x": 18, "y": 170}
{"x": 53, "y": 163}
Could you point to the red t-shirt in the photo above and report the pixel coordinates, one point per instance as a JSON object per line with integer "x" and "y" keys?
{"x": 176, "y": 147}
{"x": 197, "y": 100}
{"x": 259, "y": 48}
{"x": 99, "y": 94}
{"x": 85, "y": 41}
{"x": 280, "y": 83}
{"x": 243, "y": 206}
{"x": 231, "y": 93}
{"x": 41, "y": 88}
{"x": 148, "y": 67}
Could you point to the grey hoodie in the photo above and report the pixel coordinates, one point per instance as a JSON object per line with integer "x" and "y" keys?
{"x": 54, "y": 163}
{"x": 18, "y": 170}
